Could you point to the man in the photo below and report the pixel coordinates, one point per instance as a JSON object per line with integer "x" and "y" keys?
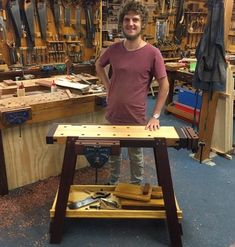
{"x": 134, "y": 63}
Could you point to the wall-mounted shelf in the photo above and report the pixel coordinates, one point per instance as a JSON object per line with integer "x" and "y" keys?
{"x": 229, "y": 26}
{"x": 231, "y": 33}
{"x": 190, "y": 32}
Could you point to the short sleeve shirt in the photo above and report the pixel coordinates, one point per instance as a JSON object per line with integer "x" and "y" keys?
{"x": 132, "y": 73}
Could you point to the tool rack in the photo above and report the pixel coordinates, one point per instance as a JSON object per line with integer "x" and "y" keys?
{"x": 76, "y": 136}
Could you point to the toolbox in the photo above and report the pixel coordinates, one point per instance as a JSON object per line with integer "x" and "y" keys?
{"x": 190, "y": 98}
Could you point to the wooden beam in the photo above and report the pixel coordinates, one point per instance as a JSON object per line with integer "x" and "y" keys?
{"x": 222, "y": 140}
{"x": 206, "y": 124}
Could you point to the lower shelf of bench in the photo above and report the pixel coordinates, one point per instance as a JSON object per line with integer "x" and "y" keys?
{"x": 80, "y": 192}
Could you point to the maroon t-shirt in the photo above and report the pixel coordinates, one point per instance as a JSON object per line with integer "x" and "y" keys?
{"x": 132, "y": 73}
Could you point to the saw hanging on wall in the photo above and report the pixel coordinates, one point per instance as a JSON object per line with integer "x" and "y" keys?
{"x": 3, "y": 31}
{"x": 42, "y": 17}
{"x": 90, "y": 27}
{"x": 67, "y": 12}
{"x": 57, "y": 11}
{"x": 13, "y": 9}
{"x": 28, "y": 13}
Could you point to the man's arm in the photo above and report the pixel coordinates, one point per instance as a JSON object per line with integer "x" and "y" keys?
{"x": 102, "y": 75}
{"x": 154, "y": 122}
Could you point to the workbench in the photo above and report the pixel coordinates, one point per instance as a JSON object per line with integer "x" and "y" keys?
{"x": 24, "y": 156}
{"x": 218, "y": 135}
{"x": 173, "y": 76}
{"x": 78, "y": 137}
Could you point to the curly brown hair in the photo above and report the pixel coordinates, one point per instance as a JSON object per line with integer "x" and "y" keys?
{"x": 136, "y": 7}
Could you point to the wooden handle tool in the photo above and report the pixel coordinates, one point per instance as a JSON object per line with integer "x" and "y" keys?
{"x": 146, "y": 189}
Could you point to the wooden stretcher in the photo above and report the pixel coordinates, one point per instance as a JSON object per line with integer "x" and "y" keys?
{"x": 75, "y": 137}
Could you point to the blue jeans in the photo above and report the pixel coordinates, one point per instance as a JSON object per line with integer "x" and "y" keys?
{"x": 136, "y": 158}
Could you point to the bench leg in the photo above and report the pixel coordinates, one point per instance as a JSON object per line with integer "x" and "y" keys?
{"x": 165, "y": 181}
{"x": 66, "y": 179}
{"x": 3, "y": 174}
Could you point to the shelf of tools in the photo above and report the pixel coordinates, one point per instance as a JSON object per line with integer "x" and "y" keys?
{"x": 35, "y": 33}
{"x": 179, "y": 26}
{"x": 159, "y": 30}
{"x": 193, "y": 20}
{"x": 110, "y": 10}
{"x": 229, "y": 26}
{"x": 165, "y": 14}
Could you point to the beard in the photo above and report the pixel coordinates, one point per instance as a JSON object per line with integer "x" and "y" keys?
{"x": 131, "y": 37}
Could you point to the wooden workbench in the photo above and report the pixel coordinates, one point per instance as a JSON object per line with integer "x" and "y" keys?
{"x": 39, "y": 73}
{"x": 173, "y": 76}
{"x": 218, "y": 135}
{"x": 77, "y": 137}
{"x": 24, "y": 156}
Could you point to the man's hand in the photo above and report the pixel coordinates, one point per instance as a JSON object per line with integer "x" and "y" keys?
{"x": 153, "y": 124}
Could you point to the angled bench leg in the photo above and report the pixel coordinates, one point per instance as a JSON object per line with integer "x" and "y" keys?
{"x": 66, "y": 179}
{"x": 165, "y": 181}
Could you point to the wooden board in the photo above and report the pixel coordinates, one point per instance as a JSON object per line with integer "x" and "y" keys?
{"x": 79, "y": 192}
{"x": 134, "y": 204}
{"x": 156, "y": 192}
{"x": 115, "y": 131}
{"x": 84, "y": 76}
{"x": 175, "y": 66}
{"x": 222, "y": 140}
{"x": 132, "y": 191}
{"x": 45, "y": 83}
{"x": 75, "y": 85}
{"x": 9, "y": 82}
{"x": 206, "y": 124}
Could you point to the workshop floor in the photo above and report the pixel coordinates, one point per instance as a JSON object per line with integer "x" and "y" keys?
{"x": 205, "y": 194}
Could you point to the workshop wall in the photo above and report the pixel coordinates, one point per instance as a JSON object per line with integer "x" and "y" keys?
{"x": 41, "y": 32}
{"x": 175, "y": 27}
{"x": 51, "y": 31}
